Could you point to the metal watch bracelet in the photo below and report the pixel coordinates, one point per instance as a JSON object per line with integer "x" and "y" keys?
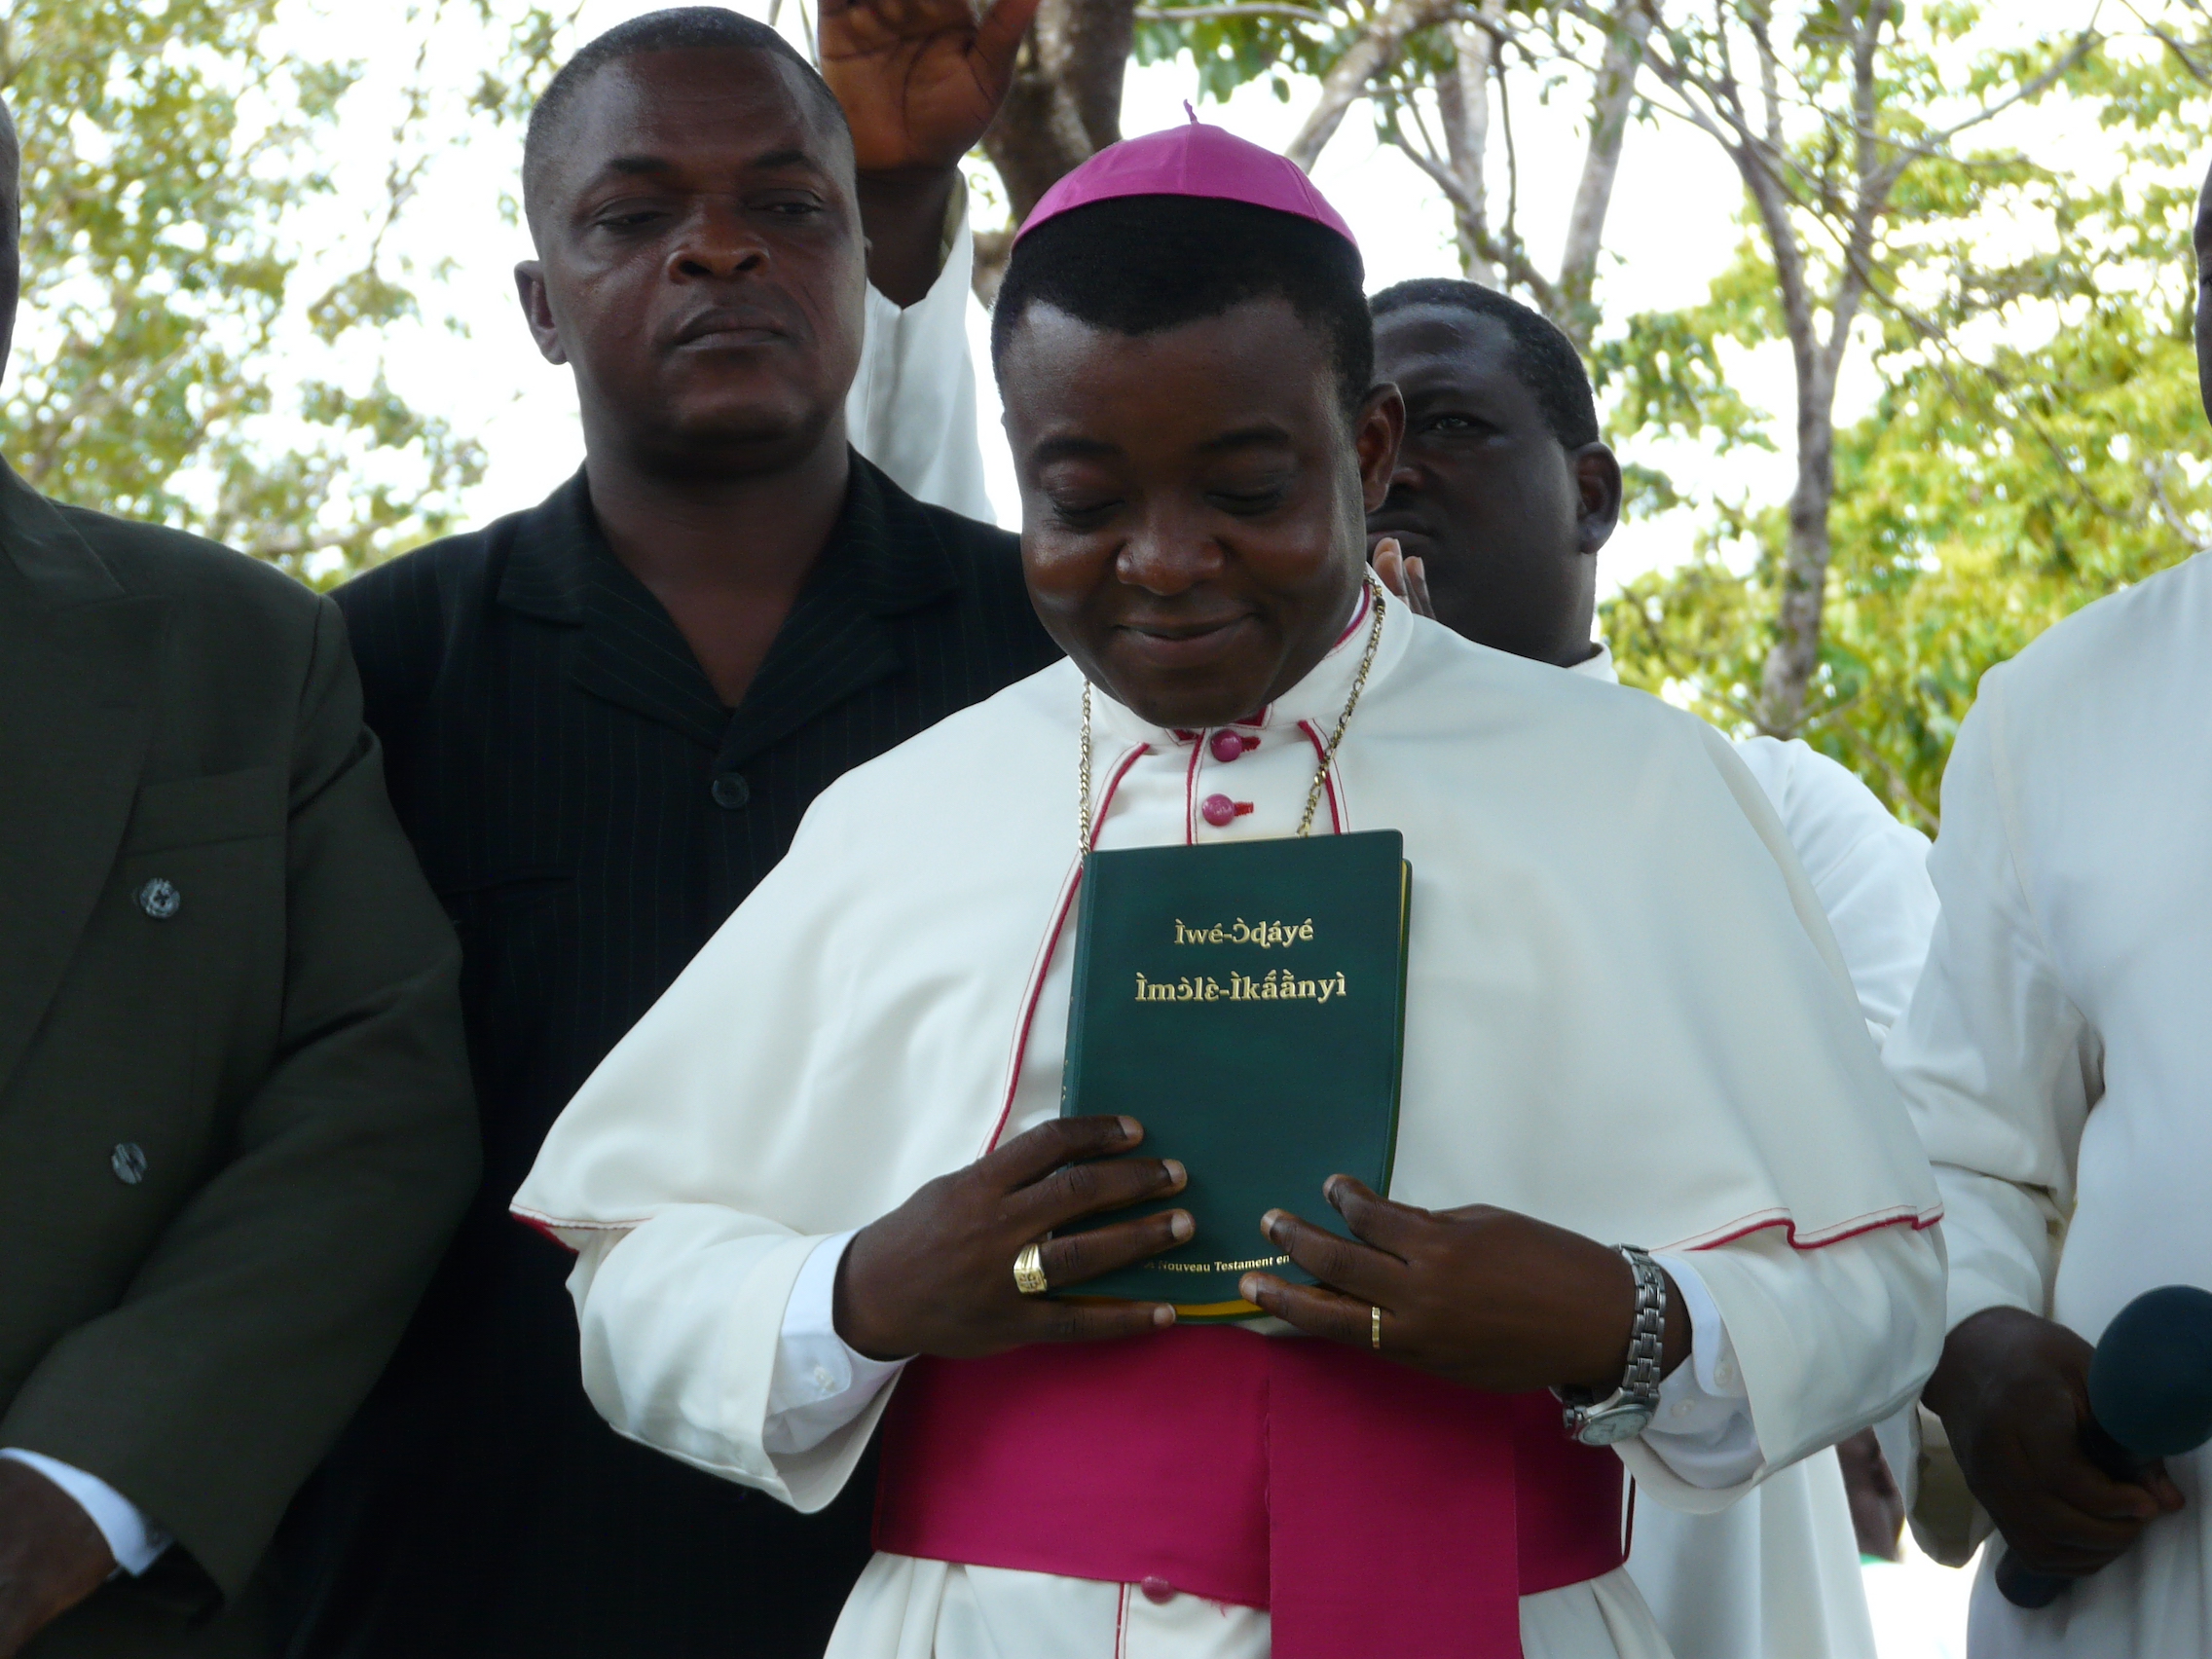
{"x": 1629, "y": 1410}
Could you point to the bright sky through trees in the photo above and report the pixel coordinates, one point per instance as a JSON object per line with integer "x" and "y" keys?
{"x": 316, "y": 353}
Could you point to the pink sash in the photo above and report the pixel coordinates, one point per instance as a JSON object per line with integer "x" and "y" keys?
{"x": 1371, "y": 1509}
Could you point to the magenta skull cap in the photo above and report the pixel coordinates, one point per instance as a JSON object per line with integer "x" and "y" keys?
{"x": 1194, "y": 160}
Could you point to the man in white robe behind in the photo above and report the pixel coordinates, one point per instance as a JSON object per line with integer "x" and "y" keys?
{"x": 2057, "y": 1060}
{"x": 1503, "y": 498}
{"x": 828, "y": 1147}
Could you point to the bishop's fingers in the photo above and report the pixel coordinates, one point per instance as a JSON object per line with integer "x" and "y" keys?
{"x": 1101, "y": 1320}
{"x": 1388, "y": 1226}
{"x": 1359, "y": 1269}
{"x": 1318, "y": 1311}
{"x": 1035, "y": 1152}
{"x": 1092, "y": 1188}
{"x": 1081, "y": 1256}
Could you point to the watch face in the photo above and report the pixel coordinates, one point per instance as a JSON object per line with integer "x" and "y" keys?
{"x": 1604, "y": 1427}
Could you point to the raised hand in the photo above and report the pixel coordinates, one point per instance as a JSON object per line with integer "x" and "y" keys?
{"x": 919, "y": 80}
{"x": 2013, "y": 1390}
{"x": 1484, "y": 1297}
{"x": 1406, "y": 577}
{"x": 936, "y": 1275}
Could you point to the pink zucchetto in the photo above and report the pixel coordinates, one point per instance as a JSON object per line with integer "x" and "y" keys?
{"x": 1196, "y": 160}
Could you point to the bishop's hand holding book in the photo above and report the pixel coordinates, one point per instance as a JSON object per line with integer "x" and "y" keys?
{"x": 1247, "y": 999}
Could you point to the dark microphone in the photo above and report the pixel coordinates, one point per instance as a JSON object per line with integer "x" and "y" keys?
{"x": 2150, "y": 1397}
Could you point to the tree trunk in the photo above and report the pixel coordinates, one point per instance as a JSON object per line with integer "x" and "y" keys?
{"x": 1612, "y": 101}
{"x": 1462, "y": 108}
{"x": 1795, "y": 656}
{"x": 1064, "y": 106}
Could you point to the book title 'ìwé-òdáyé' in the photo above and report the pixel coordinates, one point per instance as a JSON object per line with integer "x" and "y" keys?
{"x": 1279, "y": 985}
{"x": 1268, "y": 935}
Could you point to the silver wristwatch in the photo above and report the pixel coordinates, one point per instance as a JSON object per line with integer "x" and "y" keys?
{"x": 1628, "y": 1411}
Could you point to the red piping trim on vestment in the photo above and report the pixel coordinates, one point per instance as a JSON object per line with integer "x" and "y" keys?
{"x": 1358, "y": 614}
{"x": 1821, "y": 1240}
{"x": 1044, "y": 963}
{"x": 1190, "y": 798}
{"x": 539, "y": 1224}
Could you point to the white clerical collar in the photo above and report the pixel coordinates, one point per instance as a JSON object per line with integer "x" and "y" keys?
{"x": 1599, "y": 666}
{"x": 1318, "y": 698}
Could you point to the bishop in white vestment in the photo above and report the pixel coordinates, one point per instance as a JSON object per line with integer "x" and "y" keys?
{"x": 1627, "y": 1022}
{"x": 1608, "y": 915}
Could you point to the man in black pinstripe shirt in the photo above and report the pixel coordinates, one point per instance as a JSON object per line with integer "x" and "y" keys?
{"x": 603, "y": 720}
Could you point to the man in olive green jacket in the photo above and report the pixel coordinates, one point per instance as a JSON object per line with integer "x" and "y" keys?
{"x": 234, "y": 1117}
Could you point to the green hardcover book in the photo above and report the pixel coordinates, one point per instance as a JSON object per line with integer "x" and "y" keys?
{"x": 1246, "y": 1003}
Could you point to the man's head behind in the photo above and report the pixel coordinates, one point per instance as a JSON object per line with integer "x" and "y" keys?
{"x": 678, "y": 28}
{"x": 1188, "y": 399}
{"x": 1504, "y": 487}
{"x": 689, "y": 180}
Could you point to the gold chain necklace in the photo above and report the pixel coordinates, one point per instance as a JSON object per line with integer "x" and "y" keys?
{"x": 1328, "y": 754}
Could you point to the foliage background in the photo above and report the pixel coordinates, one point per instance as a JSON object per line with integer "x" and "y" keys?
{"x": 2037, "y": 440}
{"x": 266, "y": 295}
{"x": 186, "y": 351}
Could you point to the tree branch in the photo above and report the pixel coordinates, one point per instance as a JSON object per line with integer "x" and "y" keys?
{"x": 1209, "y": 13}
{"x": 1375, "y": 47}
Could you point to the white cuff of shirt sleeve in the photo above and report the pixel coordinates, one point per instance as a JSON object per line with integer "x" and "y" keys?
{"x": 820, "y": 1385}
{"x": 135, "y": 1541}
{"x": 1703, "y": 1429}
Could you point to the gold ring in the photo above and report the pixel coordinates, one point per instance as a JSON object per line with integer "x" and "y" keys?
{"x": 1375, "y": 1327}
{"x": 1029, "y": 1271}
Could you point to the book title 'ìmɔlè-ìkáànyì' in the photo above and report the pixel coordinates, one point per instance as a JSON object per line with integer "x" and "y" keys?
{"x": 1279, "y": 985}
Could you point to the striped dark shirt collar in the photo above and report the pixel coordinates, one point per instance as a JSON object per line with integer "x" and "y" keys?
{"x": 884, "y": 558}
{"x": 883, "y": 552}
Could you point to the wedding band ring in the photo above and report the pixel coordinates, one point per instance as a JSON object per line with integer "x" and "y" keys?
{"x": 1375, "y": 1328}
{"x": 1029, "y": 1273}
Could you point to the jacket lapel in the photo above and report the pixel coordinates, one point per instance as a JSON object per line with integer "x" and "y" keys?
{"x": 79, "y": 669}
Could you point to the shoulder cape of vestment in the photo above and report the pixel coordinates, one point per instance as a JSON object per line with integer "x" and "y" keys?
{"x": 1625, "y": 1013}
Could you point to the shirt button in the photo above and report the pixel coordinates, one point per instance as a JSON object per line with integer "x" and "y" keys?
{"x": 823, "y": 1380}
{"x": 731, "y": 792}
{"x": 1683, "y": 1407}
{"x": 1724, "y": 1375}
{"x": 1227, "y": 746}
{"x": 128, "y": 1162}
{"x": 1218, "y": 810}
{"x": 160, "y": 899}
{"x": 1157, "y": 1591}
